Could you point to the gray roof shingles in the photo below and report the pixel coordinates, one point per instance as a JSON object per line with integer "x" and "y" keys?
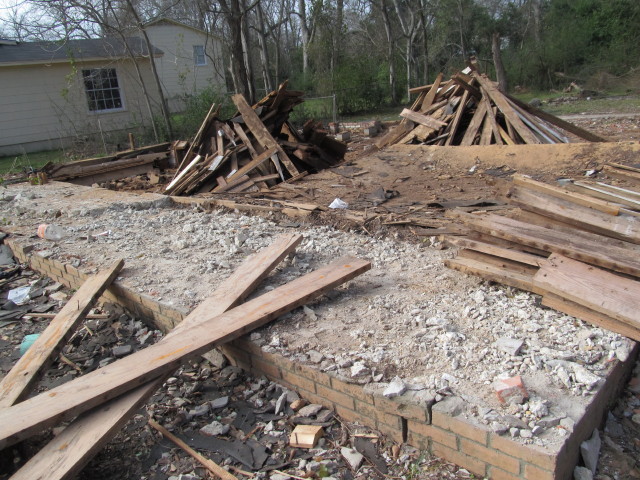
{"x": 45, "y": 52}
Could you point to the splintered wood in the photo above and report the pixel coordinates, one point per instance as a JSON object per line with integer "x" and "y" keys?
{"x": 254, "y": 150}
{"x": 469, "y": 109}
{"x": 578, "y": 251}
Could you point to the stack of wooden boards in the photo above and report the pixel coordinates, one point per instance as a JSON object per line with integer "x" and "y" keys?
{"x": 101, "y": 401}
{"x": 121, "y": 165}
{"x": 581, "y": 253}
{"x": 468, "y": 109}
{"x": 256, "y": 149}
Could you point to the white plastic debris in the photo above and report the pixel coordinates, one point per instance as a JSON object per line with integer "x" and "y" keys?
{"x": 337, "y": 203}
{"x": 19, "y": 295}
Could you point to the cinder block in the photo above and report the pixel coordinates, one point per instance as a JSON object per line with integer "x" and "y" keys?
{"x": 344, "y": 136}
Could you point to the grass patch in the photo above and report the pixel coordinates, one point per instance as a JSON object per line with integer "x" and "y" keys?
{"x": 28, "y": 161}
{"x": 597, "y": 105}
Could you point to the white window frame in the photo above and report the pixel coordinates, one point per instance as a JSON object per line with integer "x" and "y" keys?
{"x": 109, "y": 93}
{"x": 197, "y": 54}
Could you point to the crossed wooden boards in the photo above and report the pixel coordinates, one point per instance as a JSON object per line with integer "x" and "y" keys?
{"x": 103, "y": 400}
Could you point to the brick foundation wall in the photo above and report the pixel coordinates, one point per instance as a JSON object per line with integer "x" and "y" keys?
{"x": 455, "y": 439}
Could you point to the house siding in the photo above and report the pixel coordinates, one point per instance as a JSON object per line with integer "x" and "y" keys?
{"x": 45, "y": 106}
{"x": 180, "y": 76}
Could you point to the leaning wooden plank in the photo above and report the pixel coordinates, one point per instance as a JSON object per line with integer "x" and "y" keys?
{"x": 79, "y": 395}
{"x": 623, "y": 227}
{"x": 245, "y": 139}
{"x": 553, "y": 120}
{"x": 474, "y": 125}
{"x": 624, "y": 167}
{"x": 261, "y": 133}
{"x": 431, "y": 94}
{"x": 505, "y": 107}
{"x": 486, "y": 134}
{"x": 232, "y": 181}
{"x": 462, "y": 106}
{"x": 67, "y": 453}
{"x": 577, "y": 198}
{"x": 18, "y": 383}
{"x": 492, "y": 118}
{"x": 579, "y": 245}
{"x": 586, "y": 314}
{"x": 463, "y": 81}
{"x": 601, "y": 291}
{"x": 182, "y": 174}
{"x": 213, "y": 112}
{"x": 422, "y": 119}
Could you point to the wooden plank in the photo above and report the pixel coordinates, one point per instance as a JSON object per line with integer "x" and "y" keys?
{"x": 485, "y": 136}
{"x": 232, "y": 180}
{"x": 243, "y": 137}
{"x": 431, "y": 94}
{"x": 553, "y": 120}
{"x": 67, "y": 453}
{"x": 493, "y": 273}
{"x": 591, "y": 287}
{"x": 456, "y": 119}
{"x": 182, "y": 174}
{"x": 623, "y": 227}
{"x": 505, "y": 107}
{"x": 559, "y": 192}
{"x": 492, "y": 119}
{"x": 305, "y": 436}
{"x": 213, "y": 112}
{"x": 20, "y": 380}
{"x": 422, "y": 119}
{"x": 66, "y": 401}
{"x": 261, "y": 133}
{"x": 605, "y": 194}
{"x": 500, "y": 262}
{"x": 474, "y": 125}
{"x": 583, "y": 246}
{"x": 422, "y": 89}
{"x": 464, "y": 83}
{"x": 395, "y": 134}
{"x": 209, "y": 464}
{"x": 586, "y": 314}
{"x": 622, "y": 174}
{"x": 624, "y": 167}
{"x": 495, "y": 250}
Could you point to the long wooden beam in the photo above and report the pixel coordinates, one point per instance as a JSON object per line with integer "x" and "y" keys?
{"x": 19, "y": 382}
{"x": 68, "y": 452}
{"x": 65, "y": 402}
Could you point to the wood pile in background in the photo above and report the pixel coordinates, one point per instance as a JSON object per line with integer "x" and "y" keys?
{"x": 468, "y": 109}
{"x": 121, "y": 165}
{"x": 256, "y": 149}
{"x": 580, "y": 252}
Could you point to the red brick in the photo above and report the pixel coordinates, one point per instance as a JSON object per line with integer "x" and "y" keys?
{"x": 460, "y": 426}
{"x": 528, "y": 453}
{"x": 497, "y": 474}
{"x": 387, "y": 418}
{"x": 317, "y": 399}
{"x": 299, "y": 381}
{"x": 312, "y": 374}
{"x": 510, "y": 387}
{"x": 370, "y": 411}
{"x": 493, "y": 457}
{"x": 394, "y": 432}
{"x": 334, "y": 397}
{"x": 356, "y": 391}
{"x": 353, "y": 416}
{"x": 474, "y": 465}
{"x": 404, "y": 409}
{"x": 434, "y": 433}
{"x": 531, "y": 472}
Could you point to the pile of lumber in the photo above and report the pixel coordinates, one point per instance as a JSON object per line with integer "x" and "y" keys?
{"x": 580, "y": 252}
{"x": 124, "y": 164}
{"x": 469, "y": 109}
{"x": 256, "y": 149}
{"x": 101, "y": 401}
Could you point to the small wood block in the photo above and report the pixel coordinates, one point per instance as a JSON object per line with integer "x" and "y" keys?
{"x": 305, "y": 436}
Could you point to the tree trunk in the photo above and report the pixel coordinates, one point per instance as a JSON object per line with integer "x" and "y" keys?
{"x": 501, "y": 75}
{"x": 163, "y": 101}
{"x": 390, "y": 51}
{"x": 264, "y": 52}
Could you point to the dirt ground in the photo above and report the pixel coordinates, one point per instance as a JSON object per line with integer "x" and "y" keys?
{"x": 396, "y": 194}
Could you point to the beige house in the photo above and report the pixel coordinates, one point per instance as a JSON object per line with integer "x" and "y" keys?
{"x": 192, "y": 60}
{"x": 56, "y": 93}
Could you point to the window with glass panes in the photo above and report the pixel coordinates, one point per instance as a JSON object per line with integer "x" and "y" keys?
{"x": 103, "y": 91}
{"x": 198, "y": 55}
